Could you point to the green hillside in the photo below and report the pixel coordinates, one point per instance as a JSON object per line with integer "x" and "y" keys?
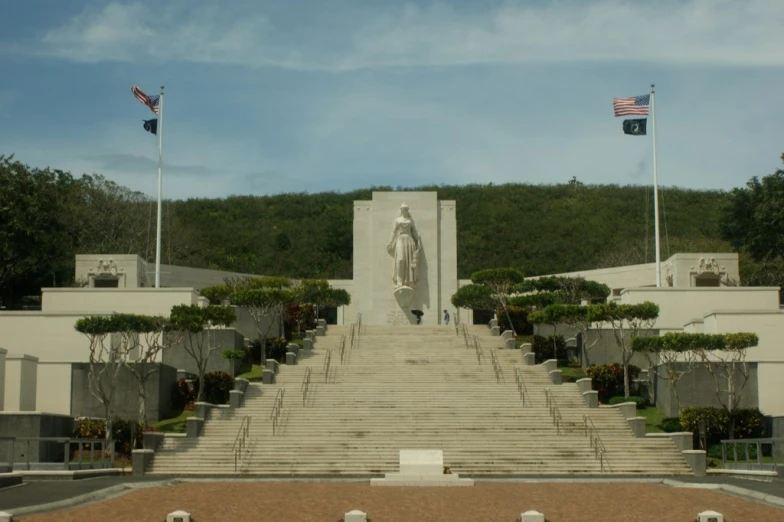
{"x": 538, "y": 228}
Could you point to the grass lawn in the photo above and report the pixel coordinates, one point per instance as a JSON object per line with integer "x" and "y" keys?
{"x": 653, "y": 418}
{"x": 522, "y": 339}
{"x": 255, "y": 373}
{"x": 572, "y": 374}
{"x": 175, "y": 424}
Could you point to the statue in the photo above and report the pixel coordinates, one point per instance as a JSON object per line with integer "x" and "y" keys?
{"x": 404, "y": 247}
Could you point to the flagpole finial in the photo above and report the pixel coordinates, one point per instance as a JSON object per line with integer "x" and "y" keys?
{"x": 162, "y": 88}
{"x": 652, "y": 87}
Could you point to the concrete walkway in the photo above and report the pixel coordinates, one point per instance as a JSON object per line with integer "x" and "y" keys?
{"x": 65, "y": 494}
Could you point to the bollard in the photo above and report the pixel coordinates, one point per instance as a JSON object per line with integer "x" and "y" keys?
{"x": 355, "y": 515}
{"x": 710, "y": 516}
{"x": 6, "y": 517}
{"x": 178, "y": 516}
{"x": 531, "y": 516}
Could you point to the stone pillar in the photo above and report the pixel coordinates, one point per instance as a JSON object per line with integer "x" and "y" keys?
{"x": 6, "y": 517}
{"x": 507, "y": 335}
{"x": 495, "y": 331}
{"x": 525, "y": 348}
{"x": 556, "y": 376}
{"x": 697, "y": 461}
{"x": 268, "y": 377}
{"x": 550, "y": 364}
{"x": 293, "y": 348}
{"x": 140, "y": 461}
{"x": 307, "y": 344}
{"x": 152, "y": 440}
{"x": 272, "y": 365}
{"x": 291, "y": 359}
{"x": 509, "y": 344}
{"x": 493, "y": 323}
{"x": 591, "y": 398}
{"x": 320, "y": 331}
{"x": 584, "y": 385}
{"x": 193, "y": 427}
{"x": 529, "y": 359}
{"x": 235, "y": 399}
{"x": 637, "y": 424}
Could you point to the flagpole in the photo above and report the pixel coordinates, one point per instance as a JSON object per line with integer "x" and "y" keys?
{"x": 160, "y": 189}
{"x": 655, "y": 192}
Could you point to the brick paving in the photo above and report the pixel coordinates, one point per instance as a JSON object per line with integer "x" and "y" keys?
{"x": 485, "y": 502}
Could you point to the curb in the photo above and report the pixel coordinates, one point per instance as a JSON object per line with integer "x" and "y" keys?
{"x": 729, "y": 488}
{"x": 88, "y": 498}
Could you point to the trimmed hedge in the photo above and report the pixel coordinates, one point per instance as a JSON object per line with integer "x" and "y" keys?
{"x": 671, "y": 425}
{"x": 542, "y": 347}
{"x": 276, "y": 349}
{"x": 749, "y": 422}
{"x": 88, "y": 428}
{"x": 608, "y": 379}
{"x": 216, "y": 391}
{"x": 519, "y": 316}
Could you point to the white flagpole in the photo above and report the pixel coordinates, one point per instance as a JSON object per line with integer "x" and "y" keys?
{"x": 160, "y": 189}
{"x": 655, "y": 193}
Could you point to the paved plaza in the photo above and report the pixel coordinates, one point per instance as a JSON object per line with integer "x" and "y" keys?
{"x": 316, "y": 501}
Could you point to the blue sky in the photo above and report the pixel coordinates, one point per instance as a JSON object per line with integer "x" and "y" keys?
{"x": 265, "y": 97}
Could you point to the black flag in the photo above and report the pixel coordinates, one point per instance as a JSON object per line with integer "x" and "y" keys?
{"x": 151, "y": 125}
{"x": 635, "y": 127}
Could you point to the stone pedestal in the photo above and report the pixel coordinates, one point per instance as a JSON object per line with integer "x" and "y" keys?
{"x": 235, "y": 398}
{"x": 307, "y": 344}
{"x": 556, "y": 376}
{"x": 178, "y": 516}
{"x": 320, "y": 331}
{"x": 495, "y": 331}
{"x": 291, "y": 358}
{"x": 421, "y": 468}
{"x": 532, "y": 516}
{"x": 140, "y": 462}
{"x": 591, "y": 398}
{"x": 710, "y": 516}
{"x": 525, "y": 348}
{"x": 529, "y": 359}
{"x": 509, "y": 344}
{"x": 697, "y": 461}
{"x": 355, "y": 515}
{"x": 268, "y": 377}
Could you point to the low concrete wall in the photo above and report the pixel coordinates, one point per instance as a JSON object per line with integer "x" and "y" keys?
{"x": 34, "y": 424}
{"x": 160, "y": 388}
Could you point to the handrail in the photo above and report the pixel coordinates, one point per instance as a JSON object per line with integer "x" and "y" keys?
{"x": 240, "y": 440}
{"x": 305, "y": 384}
{"x": 277, "y": 407}
{"x": 521, "y": 387}
{"x": 342, "y": 347}
{"x": 478, "y": 349}
{"x": 599, "y": 451}
{"x": 499, "y": 372}
{"x": 327, "y": 364}
{"x": 746, "y": 443}
{"x": 555, "y": 413}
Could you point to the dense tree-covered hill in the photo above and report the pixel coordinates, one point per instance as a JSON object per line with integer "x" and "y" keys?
{"x": 538, "y": 228}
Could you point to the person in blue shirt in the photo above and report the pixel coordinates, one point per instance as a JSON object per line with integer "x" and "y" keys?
{"x": 446, "y": 317}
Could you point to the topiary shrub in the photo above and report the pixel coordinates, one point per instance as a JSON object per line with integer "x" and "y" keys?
{"x": 185, "y": 393}
{"x": 217, "y": 386}
{"x": 542, "y": 347}
{"x": 607, "y": 379}
{"x": 276, "y": 349}
{"x": 639, "y": 401}
{"x": 671, "y": 425}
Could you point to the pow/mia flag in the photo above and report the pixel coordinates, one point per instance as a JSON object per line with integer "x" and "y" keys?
{"x": 635, "y": 127}
{"x": 152, "y": 125}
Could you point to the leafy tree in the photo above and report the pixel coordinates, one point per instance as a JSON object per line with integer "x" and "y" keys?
{"x": 582, "y": 318}
{"x": 500, "y": 282}
{"x": 266, "y": 299}
{"x": 628, "y": 321}
{"x": 196, "y": 324}
{"x": 754, "y": 217}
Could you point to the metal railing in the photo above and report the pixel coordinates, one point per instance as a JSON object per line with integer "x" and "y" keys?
{"x": 277, "y": 408}
{"x": 326, "y": 366}
{"x": 555, "y": 413}
{"x": 599, "y": 451}
{"x": 342, "y": 347}
{"x": 305, "y": 387}
{"x": 521, "y": 387}
{"x": 241, "y": 440}
{"x": 499, "y": 372}
{"x": 478, "y": 349}
{"x": 759, "y": 445}
{"x": 104, "y": 445}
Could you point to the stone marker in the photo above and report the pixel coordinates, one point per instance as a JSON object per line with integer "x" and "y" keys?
{"x": 421, "y": 468}
{"x": 268, "y": 377}
{"x": 307, "y": 344}
{"x": 355, "y": 515}
{"x": 320, "y": 331}
{"x": 291, "y": 358}
{"x": 6, "y": 517}
{"x": 178, "y": 516}
{"x": 710, "y": 516}
{"x": 495, "y": 331}
{"x": 532, "y": 516}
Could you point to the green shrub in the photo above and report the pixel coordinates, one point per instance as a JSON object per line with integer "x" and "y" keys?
{"x": 87, "y": 428}
{"x": 639, "y": 401}
{"x": 276, "y": 349}
{"x": 185, "y": 393}
{"x": 714, "y": 451}
{"x": 749, "y": 422}
{"x": 543, "y": 348}
{"x": 519, "y": 316}
{"x": 671, "y": 425}
{"x": 217, "y": 386}
{"x": 241, "y": 355}
{"x": 607, "y": 379}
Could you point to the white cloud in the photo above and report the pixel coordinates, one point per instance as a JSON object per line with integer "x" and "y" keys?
{"x": 725, "y": 32}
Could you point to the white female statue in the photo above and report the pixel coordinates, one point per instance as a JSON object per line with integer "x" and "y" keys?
{"x": 404, "y": 247}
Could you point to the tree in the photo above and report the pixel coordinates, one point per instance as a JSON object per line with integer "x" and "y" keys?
{"x": 724, "y": 355}
{"x": 196, "y": 324}
{"x": 105, "y": 360}
{"x": 628, "y": 321}
{"x": 581, "y": 318}
{"x": 500, "y": 282}
{"x": 753, "y": 218}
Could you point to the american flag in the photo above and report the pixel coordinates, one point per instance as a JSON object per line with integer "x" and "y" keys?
{"x": 149, "y": 101}
{"x": 636, "y": 105}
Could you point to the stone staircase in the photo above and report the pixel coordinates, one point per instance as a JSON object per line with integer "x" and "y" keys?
{"x": 414, "y": 387}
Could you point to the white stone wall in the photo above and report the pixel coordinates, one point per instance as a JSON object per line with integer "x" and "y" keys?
{"x": 150, "y": 301}
{"x": 130, "y": 269}
{"x": 54, "y": 387}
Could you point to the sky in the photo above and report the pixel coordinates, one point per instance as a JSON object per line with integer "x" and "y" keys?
{"x": 264, "y": 97}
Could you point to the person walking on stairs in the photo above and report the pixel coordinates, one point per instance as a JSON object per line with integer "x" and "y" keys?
{"x": 446, "y": 317}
